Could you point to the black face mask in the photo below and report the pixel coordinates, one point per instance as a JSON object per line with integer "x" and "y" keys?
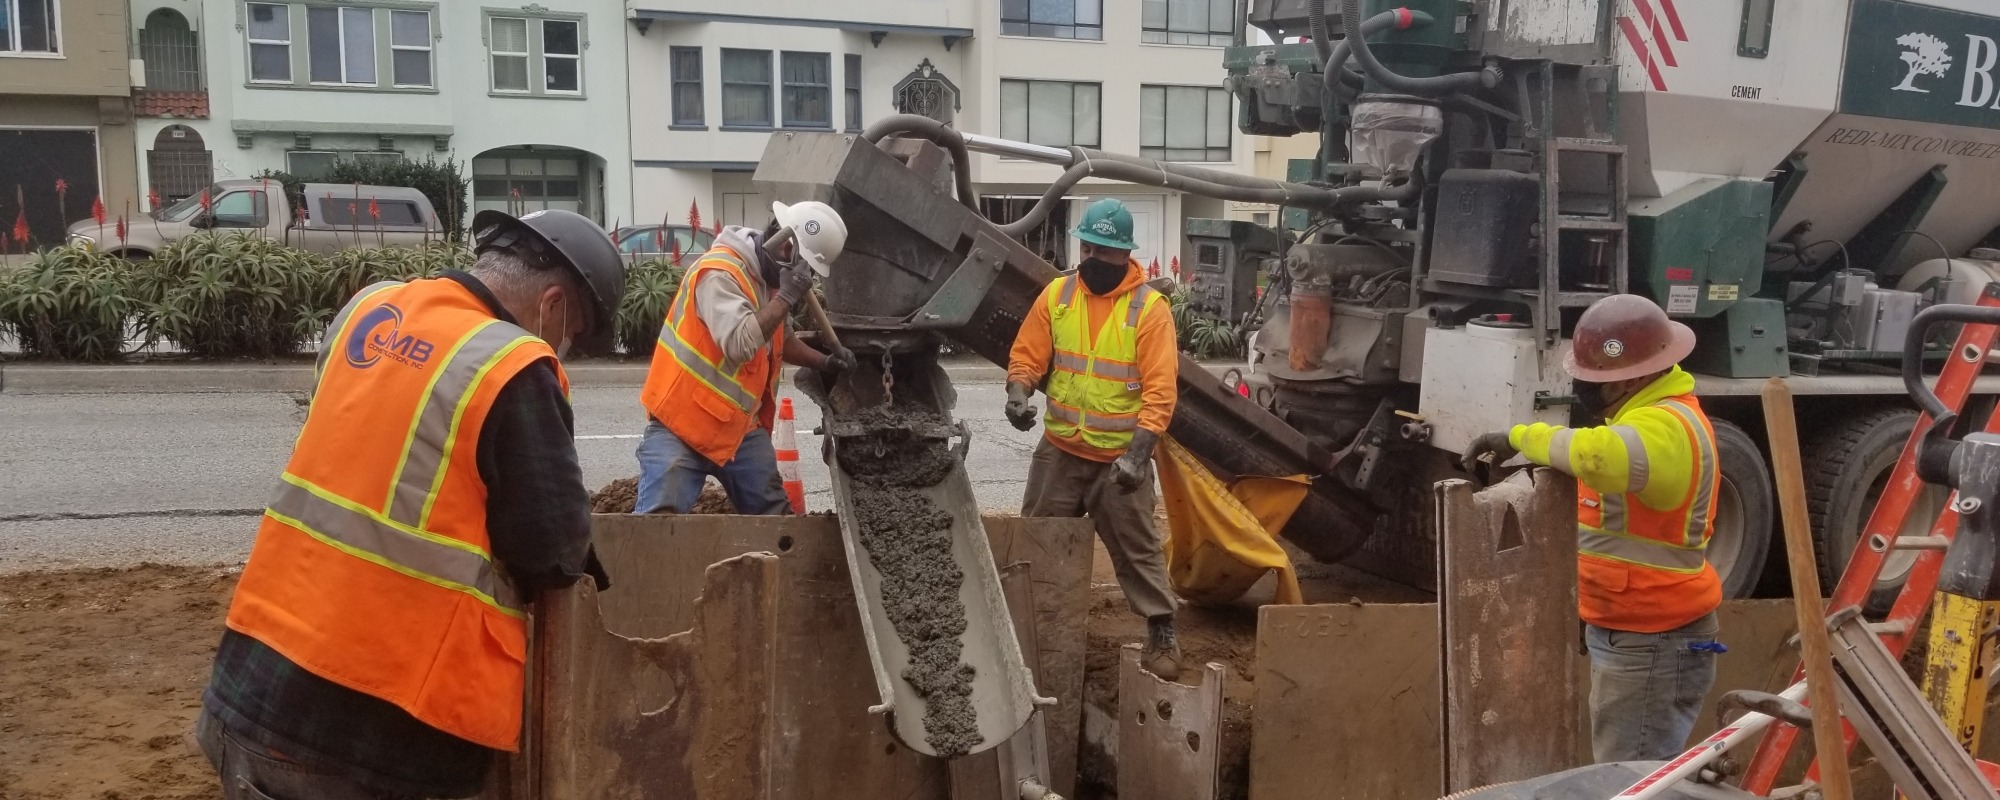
{"x": 1100, "y": 277}
{"x": 1590, "y": 399}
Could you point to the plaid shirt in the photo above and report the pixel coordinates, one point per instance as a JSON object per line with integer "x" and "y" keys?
{"x": 538, "y": 522}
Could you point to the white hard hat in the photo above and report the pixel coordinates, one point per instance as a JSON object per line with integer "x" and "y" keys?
{"x": 818, "y": 230}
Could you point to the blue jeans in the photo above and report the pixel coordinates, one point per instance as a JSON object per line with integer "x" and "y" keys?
{"x": 251, "y": 772}
{"x": 1646, "y": 690}
{"x": 671, "y": 474}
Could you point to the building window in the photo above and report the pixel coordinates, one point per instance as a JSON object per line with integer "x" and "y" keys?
{"x": 536, "y": 56}
{"x": 270, "y": 35}
{"x": 29, "y": 26}
{"x": 340, "y": 43}
{"x": 926, "y": 92}
{"x": 1202, "y": 22}
{"x": 808, "y": 90}
{"x": 852, "y": 96}
{"x": 171, "y": 51}
{"x": 1184, "y": 123}
{"x": 686, "y": 68}
{"x": 519, "y": 182}
{"x": 410, "y": 45}
{"x": 746, "y": 88}
{"x": 1050, "y": 113}
{"x": 1053, "y": 19}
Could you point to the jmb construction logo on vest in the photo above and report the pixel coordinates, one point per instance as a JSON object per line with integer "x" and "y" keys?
{"x": 1917, "y": 62}
{"x": 378, "y": 334}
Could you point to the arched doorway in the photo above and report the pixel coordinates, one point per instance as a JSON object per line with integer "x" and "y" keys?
{"x": 171, "y": 51}
{"x": 529, "y": 178}
{"x": 179, "y": 165}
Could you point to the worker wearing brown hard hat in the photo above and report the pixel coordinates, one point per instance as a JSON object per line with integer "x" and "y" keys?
{"x": 1646, "y": 486}
{"x": 377, "y": 639}
{"x": 1104, "y": 340}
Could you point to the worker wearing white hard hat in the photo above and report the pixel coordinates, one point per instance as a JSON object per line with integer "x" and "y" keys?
{"x": 711, "y": 392}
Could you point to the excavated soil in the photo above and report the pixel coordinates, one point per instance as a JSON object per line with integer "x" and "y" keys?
{"x": 618, "y": 497}
{"x": 101, "y": 673}
{"x": 909, "y": 542}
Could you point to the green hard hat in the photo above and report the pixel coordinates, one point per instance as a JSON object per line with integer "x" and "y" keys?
{"x": 1106, "y": 223}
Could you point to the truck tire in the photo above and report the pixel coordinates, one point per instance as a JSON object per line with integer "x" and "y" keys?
{"x": 1846, "y": 469}
{"x": 1743, "y": 507}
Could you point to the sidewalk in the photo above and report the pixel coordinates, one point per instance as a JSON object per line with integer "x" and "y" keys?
{"x": 23, "y": 378}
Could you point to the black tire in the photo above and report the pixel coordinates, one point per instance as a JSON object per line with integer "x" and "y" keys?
{"x": 1846, "y": 468}
{"x": 1743, "y": 508}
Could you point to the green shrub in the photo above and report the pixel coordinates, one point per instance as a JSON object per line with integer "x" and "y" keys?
{"x": 233, "y": 294}
{"x": 1200, "y": 335}
{"x": 650, "y": 287}
{"x": 440, "y": 180}
{"x": 70, "y": 302}
{"x": 349, "y": 271}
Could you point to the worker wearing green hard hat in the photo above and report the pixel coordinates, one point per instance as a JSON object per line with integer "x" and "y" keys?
{"x": 1107, "y": 223}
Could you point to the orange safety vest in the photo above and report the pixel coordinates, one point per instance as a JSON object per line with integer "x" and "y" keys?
{"x": 706, "y": 400}
{"x": 1642, "y": 569}
{"x": 372, "y": 568}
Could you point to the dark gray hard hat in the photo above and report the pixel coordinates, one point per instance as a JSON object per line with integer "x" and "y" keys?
{"x": 568, "y": 239}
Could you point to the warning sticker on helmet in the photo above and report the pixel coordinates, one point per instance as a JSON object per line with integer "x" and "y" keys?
{"x": 1681, "y": 299}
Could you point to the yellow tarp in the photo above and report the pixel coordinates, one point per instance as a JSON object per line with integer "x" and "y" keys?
{"x": 1222, "y": 539}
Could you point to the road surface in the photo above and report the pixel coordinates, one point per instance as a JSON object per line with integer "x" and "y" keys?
{"x": 112, "y": 480}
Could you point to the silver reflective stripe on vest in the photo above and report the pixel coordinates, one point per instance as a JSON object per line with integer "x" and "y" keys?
{"x": 1559, "y": 451}
{"x": 1637, "y": 551}
{"x": 436, "y": 428}
{"x": 707, "y": 373}
{"x": 1704, "y": 473}
{"x": 331, "y": 339}
{"x": 1072, "y": 362}
{"x": 1637, "y": 471}
{"x": 434, "y": 559}
{"x": 1096, "y": 422}
{"x": 1138, "y": 305}
{"x": 1113, "y": 371}
{"x": 1068, "y": 293}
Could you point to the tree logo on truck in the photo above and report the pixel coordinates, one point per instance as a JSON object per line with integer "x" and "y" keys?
{"x": 1926, "y": 55}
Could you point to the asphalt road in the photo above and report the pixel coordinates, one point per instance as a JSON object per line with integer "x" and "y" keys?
{"x": 110, "y": 480}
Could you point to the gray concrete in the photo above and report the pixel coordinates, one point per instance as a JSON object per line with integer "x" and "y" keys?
{"x": 111, "y": 479}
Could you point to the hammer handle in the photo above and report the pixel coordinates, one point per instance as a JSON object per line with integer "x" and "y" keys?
{"x": 813, "y": 308}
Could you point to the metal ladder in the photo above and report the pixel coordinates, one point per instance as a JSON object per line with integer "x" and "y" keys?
{"x": 1550, "y": 297}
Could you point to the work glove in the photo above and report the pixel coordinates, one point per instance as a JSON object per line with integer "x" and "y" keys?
{"x": 838, "y": 363}
{"x": 1495, "y": 443}
{"x": 1135, "y": 468}
{"x": 1018, "y": 410}
{"x": 794, "y": 281}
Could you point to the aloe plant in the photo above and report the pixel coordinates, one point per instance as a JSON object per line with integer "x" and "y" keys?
{"x": 70, "y": 302}
{"x": 233, "y": 294}
{"x": 650, "y": 287}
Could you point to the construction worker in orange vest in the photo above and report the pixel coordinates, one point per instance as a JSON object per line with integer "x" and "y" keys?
{"x": 376, "y": 642}
{"x": 1646, "y": 484}
{"x": 710, "y": 395}
{"x": 1105, "y": 342}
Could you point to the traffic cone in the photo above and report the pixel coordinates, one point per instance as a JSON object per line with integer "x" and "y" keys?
{"x": 785, "y": 440}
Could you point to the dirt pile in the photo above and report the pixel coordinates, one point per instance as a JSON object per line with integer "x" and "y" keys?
{"x": 618, "y": 497}
{"x": 101, "y": 674}
{"x": 909, "y": 541}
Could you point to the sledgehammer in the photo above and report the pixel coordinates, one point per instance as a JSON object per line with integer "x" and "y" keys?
{"x": 819, "y": 320}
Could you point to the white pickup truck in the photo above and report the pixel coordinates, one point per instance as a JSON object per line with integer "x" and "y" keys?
{"x": 336, "y": 216}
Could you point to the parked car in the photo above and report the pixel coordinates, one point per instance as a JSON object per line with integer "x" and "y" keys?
{"x": 336, "y": 216}
{"x": 650, "y": 241}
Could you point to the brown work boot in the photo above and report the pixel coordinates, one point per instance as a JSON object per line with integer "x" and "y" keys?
{"x": 1162, "y": 655}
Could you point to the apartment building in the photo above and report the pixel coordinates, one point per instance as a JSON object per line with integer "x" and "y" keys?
{"x": 711, "y": 81}
{"x": 66, "y": 127}
{"x": 530, "y": 99}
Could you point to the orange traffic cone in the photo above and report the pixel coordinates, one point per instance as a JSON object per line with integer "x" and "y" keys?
{"x": 785, "y": 440}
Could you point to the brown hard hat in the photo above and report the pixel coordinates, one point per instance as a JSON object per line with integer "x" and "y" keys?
{"x": 1625, "y": 336}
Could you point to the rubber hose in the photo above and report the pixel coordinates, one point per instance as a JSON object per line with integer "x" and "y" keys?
{"x": 938, "y": 133}
{"x": 1047, "y": 203}
{"x": 1346, "y": 83}
{"x": 1212, "y": 175}
{"x": 1350, "y": 22}
{"x": 1322, "y": 36}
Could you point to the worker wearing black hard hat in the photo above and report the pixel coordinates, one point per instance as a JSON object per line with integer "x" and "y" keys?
{"x": 376, "y": 640}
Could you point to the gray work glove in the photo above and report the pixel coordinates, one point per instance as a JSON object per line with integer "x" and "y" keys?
{"x": 1494, "y": 443}
{"x": 1135, "y": 468}
{"x": 794, "y": 280}
{"x": 1018, "y": 410}
{"x": 839, "y": 362}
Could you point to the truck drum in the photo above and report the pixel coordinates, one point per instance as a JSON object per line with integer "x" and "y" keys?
{"x": 1847, "y": 468}
{"x": 1743, "y": 507}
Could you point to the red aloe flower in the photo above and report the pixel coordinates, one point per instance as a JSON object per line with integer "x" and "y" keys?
{"x": 374, "y": 211}
{"x": 97, "y": 210}
{"x": 1177, "y": 267}
{"x": 677, "y": 250}
{"x": 694, "y": 215}
{"x": 21, "y": 227}
{"x": 207, "y": 203}
{"x": 1154, "y": 270}
{"x": 153, "y": 197}
{"x": 718, "y": 228}
{"x": 121, "y": 230}
{"x": 62, "y": 186}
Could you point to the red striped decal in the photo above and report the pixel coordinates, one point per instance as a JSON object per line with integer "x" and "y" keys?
{"x": 1645, "y": 56}
{"x": 1674, "y": 19}
{"x": 1659, "y": 34}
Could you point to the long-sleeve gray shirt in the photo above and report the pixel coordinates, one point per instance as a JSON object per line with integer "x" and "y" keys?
{"x": 723, "y": 306}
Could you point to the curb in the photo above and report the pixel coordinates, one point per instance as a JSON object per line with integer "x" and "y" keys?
{"x": 39, "y": 379}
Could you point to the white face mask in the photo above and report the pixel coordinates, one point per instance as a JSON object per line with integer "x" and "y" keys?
{"x": 562, "y": 348}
